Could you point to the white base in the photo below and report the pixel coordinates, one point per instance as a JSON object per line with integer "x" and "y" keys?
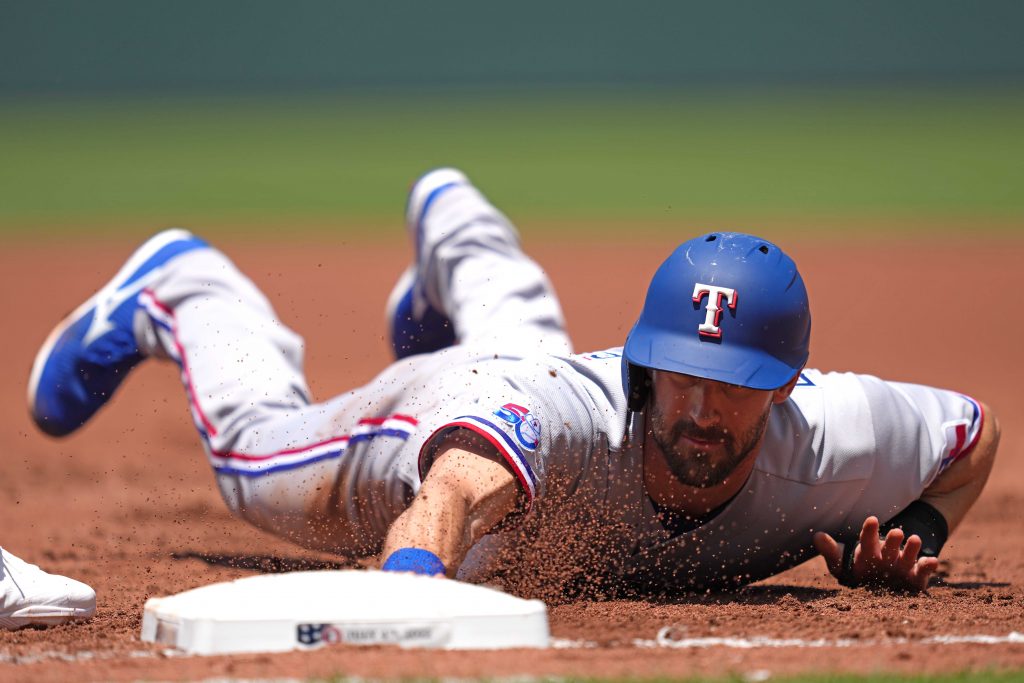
{"x": 307, "y": 610}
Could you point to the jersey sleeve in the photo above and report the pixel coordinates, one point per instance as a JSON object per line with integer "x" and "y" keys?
{"x": 507, "y": 422}
{"x": 919, "y": 432}
{"x": 541, "y": 415}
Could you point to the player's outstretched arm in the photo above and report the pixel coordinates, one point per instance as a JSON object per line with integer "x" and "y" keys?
{"x": 468, "y": 491}
{"x": 891, "y": 562}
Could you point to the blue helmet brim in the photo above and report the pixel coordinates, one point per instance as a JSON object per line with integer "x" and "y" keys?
{"x": 688, "y": 354}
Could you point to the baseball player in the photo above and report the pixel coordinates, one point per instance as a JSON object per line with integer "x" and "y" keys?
{"x": 701, "y": 454}
{"x": 31, "y": 597}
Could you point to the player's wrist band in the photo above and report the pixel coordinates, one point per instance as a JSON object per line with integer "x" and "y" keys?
{"x": 416, "y": 560}
{"x": 846, "y": 577}
{"x": 920, "y": 519}
{"x": 924, "y": 520}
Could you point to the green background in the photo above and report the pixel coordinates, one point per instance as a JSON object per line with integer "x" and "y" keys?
{"x": 314, "y": 116}
{"x": 649, "y": 158}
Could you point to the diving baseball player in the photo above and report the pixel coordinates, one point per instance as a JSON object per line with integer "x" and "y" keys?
{"x": 701, "y": 454}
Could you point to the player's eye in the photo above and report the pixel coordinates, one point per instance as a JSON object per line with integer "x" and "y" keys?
{"x": 736, "y": 392}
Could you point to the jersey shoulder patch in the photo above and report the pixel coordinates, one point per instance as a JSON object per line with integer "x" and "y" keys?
{"x": 523, "y": 425}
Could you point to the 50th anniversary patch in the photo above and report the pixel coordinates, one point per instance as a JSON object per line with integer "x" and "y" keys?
{"x": 525, "y": 424}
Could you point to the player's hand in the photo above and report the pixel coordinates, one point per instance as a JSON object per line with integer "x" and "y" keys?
{"x": 890, "y": 563}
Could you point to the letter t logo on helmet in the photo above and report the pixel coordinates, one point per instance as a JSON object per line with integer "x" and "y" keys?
{"x": 760, "y": 345}
{"x": 710, "y": 326}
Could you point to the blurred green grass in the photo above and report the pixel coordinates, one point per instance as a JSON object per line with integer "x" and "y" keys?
{"x": 613, "y": 156}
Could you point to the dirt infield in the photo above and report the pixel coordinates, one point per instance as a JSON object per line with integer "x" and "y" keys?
{"x": 129, "y": 504}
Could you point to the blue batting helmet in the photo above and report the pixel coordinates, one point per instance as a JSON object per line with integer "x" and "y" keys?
{"x": 727, "y": 307}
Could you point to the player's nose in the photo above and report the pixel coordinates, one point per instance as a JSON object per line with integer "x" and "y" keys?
{"x": 701, "y": 407}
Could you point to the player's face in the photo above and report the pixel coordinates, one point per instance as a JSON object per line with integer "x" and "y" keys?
{"x": 705, "y": 429}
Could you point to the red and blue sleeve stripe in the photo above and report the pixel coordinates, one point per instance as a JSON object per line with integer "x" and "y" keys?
{"x": 967, "y": 433}
{"x": 497, "y": 437}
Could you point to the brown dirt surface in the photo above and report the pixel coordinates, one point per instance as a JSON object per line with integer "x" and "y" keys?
{"x": 129, "y": 504}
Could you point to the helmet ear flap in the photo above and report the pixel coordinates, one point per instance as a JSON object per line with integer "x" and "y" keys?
{"x": 639, "y": 379}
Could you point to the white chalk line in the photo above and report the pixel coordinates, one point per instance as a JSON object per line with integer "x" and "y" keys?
{"x": 667, "y": 638}
{"x": 670, "y": 637}
{"x": 82, "y": 656}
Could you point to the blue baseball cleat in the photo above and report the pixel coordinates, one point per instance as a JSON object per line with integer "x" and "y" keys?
{"x": 414, "y": 325}
{"x": 91, "y": 351}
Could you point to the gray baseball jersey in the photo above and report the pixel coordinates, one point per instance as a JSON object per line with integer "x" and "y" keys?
{"x": 843, "y": 447}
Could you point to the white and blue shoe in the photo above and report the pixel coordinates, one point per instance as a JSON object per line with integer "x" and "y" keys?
{"x": 90, "y": 352}
{"x": 414, "y": 325}
{"x": 31, "y": 597}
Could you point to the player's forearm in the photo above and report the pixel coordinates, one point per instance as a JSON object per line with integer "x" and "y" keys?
{"x": 435, "y": 522}
{"x": 465, "y": 495}
{"x": 954, "y": 504}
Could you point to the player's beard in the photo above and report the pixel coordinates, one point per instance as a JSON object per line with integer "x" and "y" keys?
{"x": 697, "y": 467}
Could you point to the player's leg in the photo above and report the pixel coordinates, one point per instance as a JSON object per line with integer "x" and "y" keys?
{"x": 31, "y": 597}
{"x": 471, "y": 271}
{"x": 281, "y": 461}
{"x": 273, "y": 451}
{"x": 89, "y": 353}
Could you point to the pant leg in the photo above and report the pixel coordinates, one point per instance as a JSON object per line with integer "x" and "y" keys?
{"x": 473, "y": 269}
{"x": 279, "y": 459}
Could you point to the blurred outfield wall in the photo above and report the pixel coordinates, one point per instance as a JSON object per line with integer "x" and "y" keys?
{"x": 245, "y": 46}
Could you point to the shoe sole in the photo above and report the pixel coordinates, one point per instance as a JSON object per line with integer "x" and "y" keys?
{"x": 49, "y": 616}
{"x": 134, "y": 262}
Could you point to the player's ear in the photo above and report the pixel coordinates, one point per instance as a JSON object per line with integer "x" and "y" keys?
{"x": 783, "y": 392}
